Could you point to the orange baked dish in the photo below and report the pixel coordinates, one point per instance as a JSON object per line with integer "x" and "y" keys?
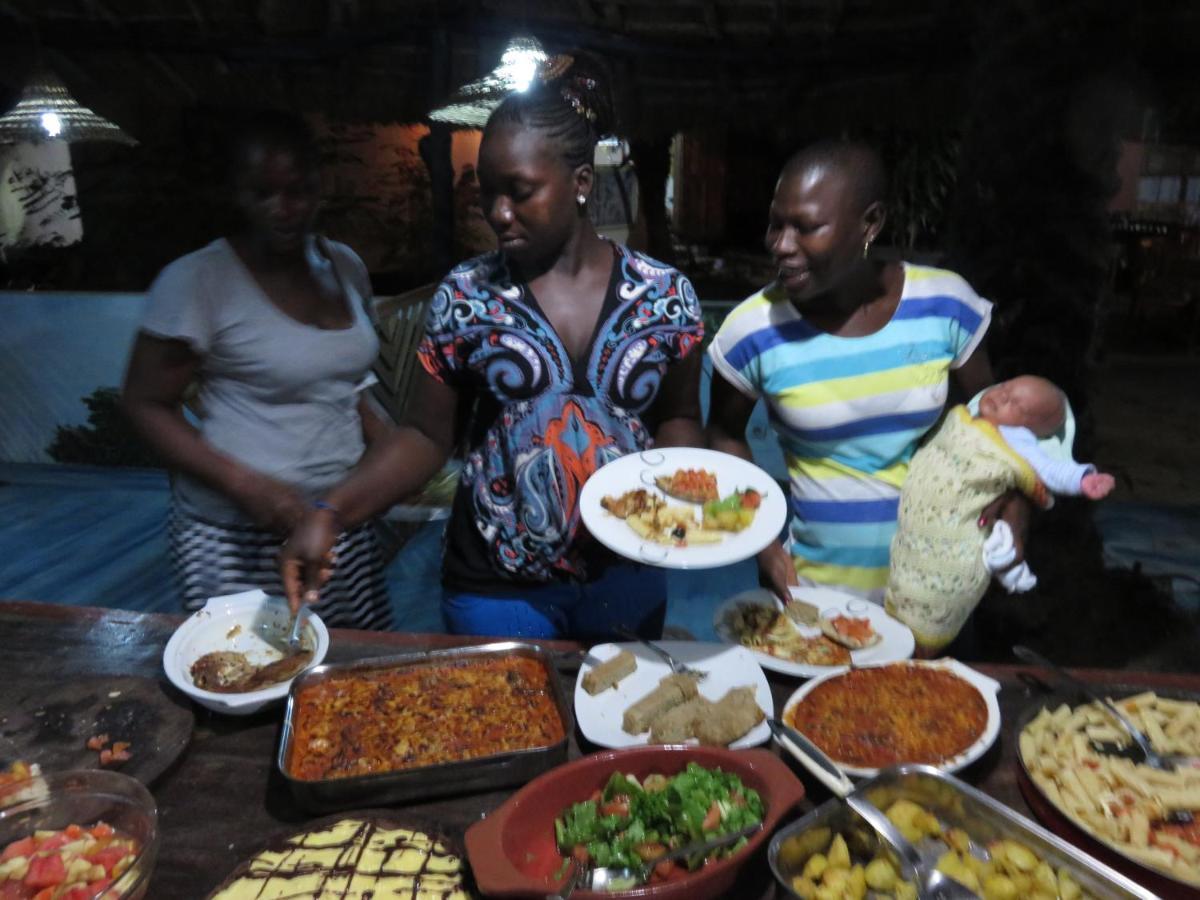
{"x": 407, "y": 718}
{"x": 885, "y": 715}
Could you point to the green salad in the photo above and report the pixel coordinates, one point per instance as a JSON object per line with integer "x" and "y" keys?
{"x": 629, "y": 823}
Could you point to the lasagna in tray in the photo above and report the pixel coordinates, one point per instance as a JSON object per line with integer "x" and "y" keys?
{"x": 408, "y": 718}
{"x": 885, "y": 715}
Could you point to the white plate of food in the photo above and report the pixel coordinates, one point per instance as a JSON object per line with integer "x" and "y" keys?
{"x": 683, "y": 508}
{"x": 799, "y": 644}
{"x": 939, "y": 713}
{"x": 623, "y": 675}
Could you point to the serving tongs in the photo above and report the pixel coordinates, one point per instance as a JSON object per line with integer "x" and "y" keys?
{"x": 1167, "y": 762}
{"x": 624, "y": 878}
{"x": 932, "y": 884}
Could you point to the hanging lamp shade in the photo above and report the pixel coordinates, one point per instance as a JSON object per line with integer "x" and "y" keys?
{"x": 472, "y": 103}
{"x": 46, "y": 112}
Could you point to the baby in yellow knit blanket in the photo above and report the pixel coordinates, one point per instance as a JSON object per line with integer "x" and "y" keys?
{"x": 938, "y": 573}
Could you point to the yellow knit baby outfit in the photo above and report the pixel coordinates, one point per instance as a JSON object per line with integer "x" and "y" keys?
{"x": 937, "y": 575}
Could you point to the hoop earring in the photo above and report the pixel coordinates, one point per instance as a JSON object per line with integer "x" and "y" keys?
{"x": 866, "y": 248}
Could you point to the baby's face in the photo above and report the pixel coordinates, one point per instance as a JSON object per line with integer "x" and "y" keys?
{"x": 1027, "y": 401}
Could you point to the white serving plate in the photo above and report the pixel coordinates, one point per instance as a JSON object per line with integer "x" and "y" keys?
{"x": 638, "y": 470}
{"x": 988, "y": 689}
{"x": 896, "y": 642}
{"x": 600, "y": 716}
{"x": 250, "y": 623}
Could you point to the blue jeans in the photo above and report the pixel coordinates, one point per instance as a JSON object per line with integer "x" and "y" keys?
{"x": 626, "y": 595}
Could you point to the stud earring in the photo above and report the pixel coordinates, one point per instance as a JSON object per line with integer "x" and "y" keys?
{"x": 580, "y": 199}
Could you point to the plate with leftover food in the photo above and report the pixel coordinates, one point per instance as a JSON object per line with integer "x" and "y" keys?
{"x": 626, "y": 696}
{"x": 683, "y": 508}
{"x": 130, "y": 724}
{"x": 820, "y": 631}
{"x": 938, "y": 713}
{"x": 1085, "y": 768}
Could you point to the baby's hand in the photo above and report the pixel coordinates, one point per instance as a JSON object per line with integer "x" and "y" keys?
{"x": 1097, "y": 485}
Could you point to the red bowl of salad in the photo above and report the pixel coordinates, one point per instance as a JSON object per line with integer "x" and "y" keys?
{"x": 611, "y": 806}
{"x": 85, "y": 835}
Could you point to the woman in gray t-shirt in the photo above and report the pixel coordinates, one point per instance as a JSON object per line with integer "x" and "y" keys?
{"x": 273, "y": 324}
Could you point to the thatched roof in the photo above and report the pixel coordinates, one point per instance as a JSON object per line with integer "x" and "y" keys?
{"x": 684, "y": 63}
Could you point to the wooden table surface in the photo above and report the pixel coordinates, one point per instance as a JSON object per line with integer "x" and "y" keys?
{"x": 224, "y": 797}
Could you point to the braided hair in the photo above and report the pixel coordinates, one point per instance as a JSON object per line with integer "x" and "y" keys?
{"x": 569, "y": 101}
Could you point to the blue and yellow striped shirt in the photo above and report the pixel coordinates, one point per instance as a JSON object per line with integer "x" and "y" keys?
{"x": 849, "y": 412}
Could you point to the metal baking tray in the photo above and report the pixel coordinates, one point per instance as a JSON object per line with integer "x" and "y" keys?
{"x": 464, "y": 776}
{"x": 957, "y": 805}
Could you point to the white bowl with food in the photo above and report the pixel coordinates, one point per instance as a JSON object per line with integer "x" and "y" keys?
{"x": 232, "y": 656}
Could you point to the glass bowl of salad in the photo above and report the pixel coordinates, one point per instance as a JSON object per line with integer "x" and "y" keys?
{"x": 81, "y": 835}
{"x": 614, "y": 807}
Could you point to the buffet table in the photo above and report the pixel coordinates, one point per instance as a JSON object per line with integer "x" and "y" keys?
{"x": 223, "y": 797}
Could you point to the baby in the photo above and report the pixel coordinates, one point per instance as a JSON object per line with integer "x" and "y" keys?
{"x": 938, "y": 573}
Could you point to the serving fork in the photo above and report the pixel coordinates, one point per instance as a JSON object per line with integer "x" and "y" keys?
{"x": 676, "y": 666}
{"x": 1167, "y": 762}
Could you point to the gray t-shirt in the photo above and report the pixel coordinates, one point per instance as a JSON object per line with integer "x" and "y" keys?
{"x": 277, "y": 395}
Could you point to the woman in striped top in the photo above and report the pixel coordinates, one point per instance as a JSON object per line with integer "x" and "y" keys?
{"x": 853, "y": 358}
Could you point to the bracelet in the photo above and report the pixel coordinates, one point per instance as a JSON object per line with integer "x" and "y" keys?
{"x": 329, "y": 507}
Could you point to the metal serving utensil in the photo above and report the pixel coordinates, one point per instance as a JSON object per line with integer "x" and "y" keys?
{"x": 298, "y": 622}
{"x": 1167, "y": 762}
{"x": 622, "y": 878}
{"x": 931, "y": 883}
{"x": 676, "y": 666}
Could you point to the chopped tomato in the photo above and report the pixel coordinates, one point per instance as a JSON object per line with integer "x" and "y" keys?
{"x": 53, "y": 842}
{"x": 99, "y": 884}
{"x": 79, "y": 892}
{"x": 23, "y": 847}
{"x": 596, "y": 796}
{"x": 649, "y": 850}
{"x": 44, "y": 894}
{"x": 712, "y": 819}
{"x": 751, "y": 499}
{"x": 581, "y": 855}
{"x": 617, "y": 806}
{"x": 102, "y": 830}
{"x": 12, "y": 890}
{"x": 109, "y": 857}
{"x": 97, "y": 742}
{"x": 106, "y": 756}
{"x": 74, "y": 832}
{"x": 45, "y": 871}
{"x": 664, "y": 870}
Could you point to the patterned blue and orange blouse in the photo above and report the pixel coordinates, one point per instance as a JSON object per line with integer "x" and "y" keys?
{"x": 544, "y": 421}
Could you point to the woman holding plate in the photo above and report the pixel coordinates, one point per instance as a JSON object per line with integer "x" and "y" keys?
{"x": 854, "y": 357}
{"x": 576, "y": 351}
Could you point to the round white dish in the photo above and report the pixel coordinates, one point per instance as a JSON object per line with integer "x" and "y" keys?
{"x": 638, "y": 470}
{"x": 250, "y": 623}
{"x": 896, "y": 639}
{"x": 988, "y": 689}
{"x": 600, "y": 716}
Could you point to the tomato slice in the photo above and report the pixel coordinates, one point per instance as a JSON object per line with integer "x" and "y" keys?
{"x": 23, "y": 847}
{"x": 109, "y": 857}
{"x": 45, "y": 871}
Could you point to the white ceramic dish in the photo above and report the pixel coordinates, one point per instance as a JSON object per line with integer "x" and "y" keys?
{"x": 896, "y": 639}
{"x": 600, "y": 716}
{"x": 250, "y": 623}
{"x": 988, "y": 689}
{"x": 638, "y": 470}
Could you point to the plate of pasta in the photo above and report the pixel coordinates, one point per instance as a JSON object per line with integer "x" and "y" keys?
{"x": 1077, "y": 762}
{"x": 683, "y": 508}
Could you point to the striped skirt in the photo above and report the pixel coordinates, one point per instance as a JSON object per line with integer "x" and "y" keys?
{"x": 210, "y": 560}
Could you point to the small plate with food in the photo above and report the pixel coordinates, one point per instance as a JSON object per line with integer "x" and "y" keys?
{"x": 939, "y": 713}
{"x": 820, "y": 631}
{"x": 625, "y": 696}
{"x": 683, "y": 508}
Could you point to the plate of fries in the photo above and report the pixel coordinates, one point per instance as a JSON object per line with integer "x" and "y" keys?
{"x": 646, "y": 507}
{"x": 1084, "y": 767}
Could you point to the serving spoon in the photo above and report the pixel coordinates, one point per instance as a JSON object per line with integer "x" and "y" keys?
{"x": 932, "y": 884}
{"x": 624, "y": 878}
{"x": 676, "y": 666}
{"x": 1166, "y": 762}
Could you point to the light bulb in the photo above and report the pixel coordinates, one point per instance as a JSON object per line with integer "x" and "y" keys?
{"x": 52, "y": 123}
